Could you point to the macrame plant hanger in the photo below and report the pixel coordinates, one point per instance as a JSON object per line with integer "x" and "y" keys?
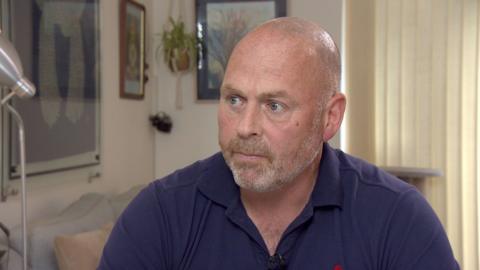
{"x": 178, "y": 73}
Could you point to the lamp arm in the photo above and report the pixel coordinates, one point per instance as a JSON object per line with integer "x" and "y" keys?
{"x": 8, "y": 97}
{"x": 21, "y": 140}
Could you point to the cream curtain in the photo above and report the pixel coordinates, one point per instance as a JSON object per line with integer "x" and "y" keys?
{"x": 427, "y": 106}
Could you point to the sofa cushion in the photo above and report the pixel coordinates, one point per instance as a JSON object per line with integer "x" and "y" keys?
{"x": 89, "y": 212}
{"x": 81, "y": 251}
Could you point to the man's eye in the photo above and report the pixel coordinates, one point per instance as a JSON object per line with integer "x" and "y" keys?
{"x": 276, "y": 107}
{"x": 234, "y": 100}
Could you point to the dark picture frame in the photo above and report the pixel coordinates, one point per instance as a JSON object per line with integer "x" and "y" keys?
{"x": 132, "y": 49}
{"x": 220, "y": 25}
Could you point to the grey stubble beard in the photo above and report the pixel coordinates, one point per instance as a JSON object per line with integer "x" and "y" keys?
{"x": 275, "y": 173}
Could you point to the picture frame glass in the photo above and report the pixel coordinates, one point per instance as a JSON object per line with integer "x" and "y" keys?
{"x": 240, "y": 18}
{"x": 220, "y": 25}
{"x": 134, "y": 50}
{"x": 59, "y": 46}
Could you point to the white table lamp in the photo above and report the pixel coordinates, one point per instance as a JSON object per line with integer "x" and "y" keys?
{"x": 11, "y": 76}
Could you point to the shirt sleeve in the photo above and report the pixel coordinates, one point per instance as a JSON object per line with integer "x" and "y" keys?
{"x": 414, "y": 237}
{"x": 139, "y": 239}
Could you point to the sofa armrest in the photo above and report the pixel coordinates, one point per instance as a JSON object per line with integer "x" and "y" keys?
{"x": 89, "y": 212}
{"x": 10, "y": 260}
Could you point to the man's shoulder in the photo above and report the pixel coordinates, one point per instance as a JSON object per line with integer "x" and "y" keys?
{"x": 371, "y": 193}
{"x": 380, "y": 205}
{"x": 380, "y": 211}
{"x": 359, "y": 172}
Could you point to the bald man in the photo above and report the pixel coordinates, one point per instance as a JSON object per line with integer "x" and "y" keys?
{"x": 277, "y": 196}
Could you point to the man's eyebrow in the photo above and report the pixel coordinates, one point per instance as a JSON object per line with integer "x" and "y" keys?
{"x": 282, "y": 94}
{"x": 263, "y": 96}
{"x": 229, "y": 88}
{"x": 274, "y": 94}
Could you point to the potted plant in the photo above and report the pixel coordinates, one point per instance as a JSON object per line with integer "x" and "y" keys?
{"x": 179, "y": 47}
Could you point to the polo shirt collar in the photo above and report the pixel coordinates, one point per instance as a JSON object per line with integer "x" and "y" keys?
{"x": 328, "y": 189}
{"x": 216, "y": 182}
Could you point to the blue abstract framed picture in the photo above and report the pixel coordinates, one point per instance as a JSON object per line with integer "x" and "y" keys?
{"x": 220, "y": 25}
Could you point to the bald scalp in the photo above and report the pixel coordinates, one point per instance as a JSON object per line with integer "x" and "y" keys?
{"x": 310, "y": 39}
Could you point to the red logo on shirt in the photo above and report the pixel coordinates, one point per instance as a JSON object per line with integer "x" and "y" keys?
{"x": 337, "y": 267}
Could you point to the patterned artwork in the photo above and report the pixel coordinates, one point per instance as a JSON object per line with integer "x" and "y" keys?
{"x": 62, "y": 60}
{"x": 132, "y": 51}
{"x": 132, "y": 73}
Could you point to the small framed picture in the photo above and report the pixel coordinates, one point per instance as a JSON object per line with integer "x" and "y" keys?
{"x": 132, "y": 49}
{"x": 220, "y": 25}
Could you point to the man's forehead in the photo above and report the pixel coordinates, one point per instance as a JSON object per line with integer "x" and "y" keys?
{"x": 282, "y": 57}
{"x": 275, "y": 52}
{"x": 290, "y": 36}
{"x": 272, "y": 52}
{"x": 294, "y": 30}
{"x": 261, "y": 39}
{"x": 275, "y": 66}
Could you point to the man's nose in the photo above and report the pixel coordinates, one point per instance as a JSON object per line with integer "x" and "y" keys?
{"x": 250, "y": 123}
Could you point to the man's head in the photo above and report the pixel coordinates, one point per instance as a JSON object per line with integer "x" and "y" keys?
{"x": 279, "y": 102}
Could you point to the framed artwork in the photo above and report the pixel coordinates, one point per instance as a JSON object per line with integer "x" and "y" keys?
{"x": 220, "y": 25}
{"x": 58, "y": 44}
{"x": 132, "y": 49}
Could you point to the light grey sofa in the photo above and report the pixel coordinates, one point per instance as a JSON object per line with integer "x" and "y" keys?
{"x": 91, "y": 211}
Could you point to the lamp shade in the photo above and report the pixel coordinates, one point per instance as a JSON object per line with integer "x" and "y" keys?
{"x": 11, "y": 72}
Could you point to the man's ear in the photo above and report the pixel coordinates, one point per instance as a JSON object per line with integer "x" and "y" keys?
{"x": 333, "y": 115}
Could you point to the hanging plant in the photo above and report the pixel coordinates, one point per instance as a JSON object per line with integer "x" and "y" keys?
{"x": 179, "y": 47}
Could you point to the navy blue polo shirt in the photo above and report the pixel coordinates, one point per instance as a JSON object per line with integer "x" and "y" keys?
{"x": 358, "y": 217}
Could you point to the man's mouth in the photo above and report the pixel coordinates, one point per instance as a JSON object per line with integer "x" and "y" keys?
{"x": 246, "y": 155}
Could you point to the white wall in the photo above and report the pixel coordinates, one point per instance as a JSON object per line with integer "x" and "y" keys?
{"x": 194, "y": 133}
{"x": 127, "y": 140}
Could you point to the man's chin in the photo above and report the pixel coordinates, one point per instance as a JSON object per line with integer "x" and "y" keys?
{"x": 256, "y": 186}
{"x": 249, "y": 165}
{"x": 254, "y": 181}
{"x": 247, "y": 174}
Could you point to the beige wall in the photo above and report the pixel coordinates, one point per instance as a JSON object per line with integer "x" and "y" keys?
{"x": 127, "y": 140}
{"x": 194, "y": 134}
{"x": 359, "y": 77}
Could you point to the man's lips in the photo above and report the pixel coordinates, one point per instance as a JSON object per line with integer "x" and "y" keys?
{"x": 248, "y": 157}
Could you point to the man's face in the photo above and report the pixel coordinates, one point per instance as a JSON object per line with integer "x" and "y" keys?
{"x": 269, "y": 116}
